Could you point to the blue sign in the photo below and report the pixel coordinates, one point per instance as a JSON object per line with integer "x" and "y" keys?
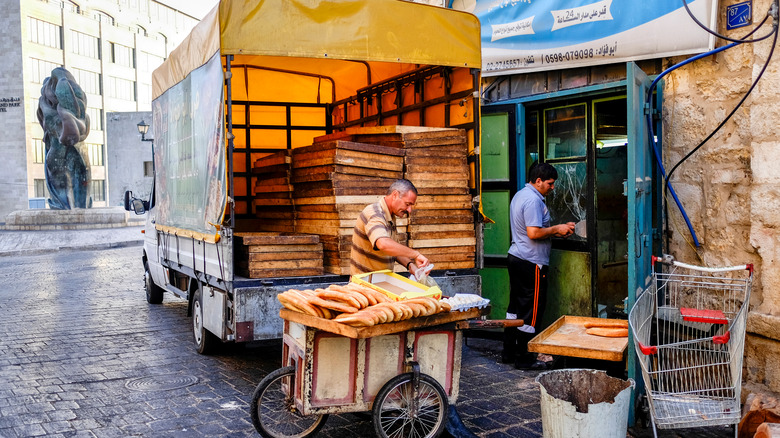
{"x": 739, "y": 15}
{"x": 520, "y": 36}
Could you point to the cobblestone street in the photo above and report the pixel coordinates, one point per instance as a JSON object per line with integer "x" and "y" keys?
{"x": 83, "y": 355}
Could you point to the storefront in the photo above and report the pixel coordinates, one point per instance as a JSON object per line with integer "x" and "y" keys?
{"x": 568, "y": 86}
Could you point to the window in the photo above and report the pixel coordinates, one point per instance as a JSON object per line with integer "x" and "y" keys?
{"x": 97, "y": 190}
{"x": 148, "y": 168}
{"x": 34, "y": 108}
{"x": 40, "y": 70}
{"x": 85, "y": 45}
{"x": 122, "y": 55}
{"x": 89, "y": 81}
{"x": 95, "y": 154}
{"x": 95, "y": 118}
{"x": 67, "y": 5}
{"x": 39, "y": 151}
{"x": 121, "y": 88}
{"x": 40, "y": 188}
{"x": 45, "y": 33}
{"x": 148, "y": 62}
{"x": 144, "y": 94}
{"x": 565, "y": 131}
{"x": 103, "y": 17}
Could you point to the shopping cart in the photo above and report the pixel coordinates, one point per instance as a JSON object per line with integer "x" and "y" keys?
{"x": 689, "y": 332}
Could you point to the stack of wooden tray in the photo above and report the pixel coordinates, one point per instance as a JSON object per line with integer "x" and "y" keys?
{"x": 442, "y": 223}
{"x": 263, "y": 255}
{"x": 334, "y": 180}
{"x": 273, "y": 201}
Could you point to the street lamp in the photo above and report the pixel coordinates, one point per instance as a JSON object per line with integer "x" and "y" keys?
{"x": 143, "y": 128}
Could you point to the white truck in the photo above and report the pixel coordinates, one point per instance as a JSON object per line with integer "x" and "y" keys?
{"x": 254, "y": 77}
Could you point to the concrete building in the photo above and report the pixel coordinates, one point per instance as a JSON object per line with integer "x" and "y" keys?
{"x": 129, "y": 159}
{"x": 110, "y": 46}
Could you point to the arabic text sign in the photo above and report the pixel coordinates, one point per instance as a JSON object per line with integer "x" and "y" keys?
{"x": 520, "y": 36}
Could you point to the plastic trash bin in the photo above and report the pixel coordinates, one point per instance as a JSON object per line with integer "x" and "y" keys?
{"x": 582, "y": 403}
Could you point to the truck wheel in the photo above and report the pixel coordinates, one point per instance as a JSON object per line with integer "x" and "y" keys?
{"x": 273, "y": 408}
{"x": 205, "y": 341}
{"x": 154, "y": 293}
{"x": 401, "y": 410}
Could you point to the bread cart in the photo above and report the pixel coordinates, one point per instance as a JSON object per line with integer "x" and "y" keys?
{"x": 407, "y": 373}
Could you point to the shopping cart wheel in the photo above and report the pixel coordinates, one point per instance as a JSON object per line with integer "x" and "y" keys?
{"x": 407, "y": 406}
{"x": 273, "y": 408}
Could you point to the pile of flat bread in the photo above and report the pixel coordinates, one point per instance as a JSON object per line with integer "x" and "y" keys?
{"x": 358, "y": 305}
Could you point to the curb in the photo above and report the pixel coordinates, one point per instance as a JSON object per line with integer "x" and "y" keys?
{"x": 93, "y": 247}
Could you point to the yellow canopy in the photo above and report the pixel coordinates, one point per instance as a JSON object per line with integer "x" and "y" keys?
{"x": 391, "y": 31}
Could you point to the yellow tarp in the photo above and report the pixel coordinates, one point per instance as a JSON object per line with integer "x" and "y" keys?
{"x": 357, "y": 30}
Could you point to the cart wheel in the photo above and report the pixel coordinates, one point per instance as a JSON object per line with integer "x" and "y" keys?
{"x": 397, "y": 413}
{"x": 273, "y": 408}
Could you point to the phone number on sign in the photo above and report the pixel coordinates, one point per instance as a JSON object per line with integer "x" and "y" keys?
{"x": 567, "y": 56}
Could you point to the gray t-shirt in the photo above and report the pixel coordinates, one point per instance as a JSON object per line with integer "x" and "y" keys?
{"x": 528, "y": 209}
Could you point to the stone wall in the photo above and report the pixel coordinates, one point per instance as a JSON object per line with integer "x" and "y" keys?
{"x": 730, "y": 187}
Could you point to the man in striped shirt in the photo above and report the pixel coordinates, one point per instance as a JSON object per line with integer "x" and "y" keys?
{"x": 375, "y": 239}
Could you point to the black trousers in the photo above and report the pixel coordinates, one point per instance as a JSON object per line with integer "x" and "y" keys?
{"x": 527, "y": 299}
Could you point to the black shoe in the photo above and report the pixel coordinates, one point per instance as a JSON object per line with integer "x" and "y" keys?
{"x": 525, "y": 361}
{"x": 507, "y": 356}
{"x": 532, "y": 365}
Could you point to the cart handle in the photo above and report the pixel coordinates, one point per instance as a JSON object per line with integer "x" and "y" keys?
{"x": 670, "y": 260}
{"x": 647, "y": 350}
{"x": 721, "y": 339}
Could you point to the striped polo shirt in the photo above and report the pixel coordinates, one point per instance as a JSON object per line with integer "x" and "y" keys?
{"x": 374, "y": 222}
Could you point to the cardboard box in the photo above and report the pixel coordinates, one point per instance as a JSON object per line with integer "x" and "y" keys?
{"x": 396, "y": 286}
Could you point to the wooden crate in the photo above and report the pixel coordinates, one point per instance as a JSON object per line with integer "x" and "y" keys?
{"x": 267, "y": 254}
{"x": 273, "y": 203}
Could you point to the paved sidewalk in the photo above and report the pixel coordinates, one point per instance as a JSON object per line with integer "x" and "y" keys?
{"x": 497, "y": 400}
{"x": 16, "y": 243}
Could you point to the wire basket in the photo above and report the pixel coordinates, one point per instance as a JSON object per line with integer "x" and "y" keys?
{"x": 689, "y": 332}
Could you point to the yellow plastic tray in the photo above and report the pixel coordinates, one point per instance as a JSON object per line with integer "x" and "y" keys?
{"x": 396, "y": 286}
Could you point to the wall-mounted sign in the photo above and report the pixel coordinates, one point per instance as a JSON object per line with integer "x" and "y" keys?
{"x": 739, "y": 15}
{"x": 9, "y": 102}
{"x": 520, "y": 36}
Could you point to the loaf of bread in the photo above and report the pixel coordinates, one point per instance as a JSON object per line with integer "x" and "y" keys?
{"x": 358, "y": 305}
{"x": 612, "y": 323}
{"x": 608, "y": 332}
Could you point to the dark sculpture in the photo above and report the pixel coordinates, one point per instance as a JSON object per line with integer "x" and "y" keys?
{"x": 62, "y": 112}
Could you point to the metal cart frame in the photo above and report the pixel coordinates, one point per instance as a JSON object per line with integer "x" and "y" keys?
{"x": 689, "y": 331}
{"x": 406, "y": 373}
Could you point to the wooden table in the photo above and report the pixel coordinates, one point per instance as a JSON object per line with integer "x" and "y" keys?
{"x": 378, "y": 329}
{"x": 567, "y": 337}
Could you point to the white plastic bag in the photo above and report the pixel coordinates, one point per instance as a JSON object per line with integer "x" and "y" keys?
{"x": 421, "y": 276}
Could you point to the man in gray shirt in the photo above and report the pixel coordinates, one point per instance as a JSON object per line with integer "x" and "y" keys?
{"x": 529, "y": 256}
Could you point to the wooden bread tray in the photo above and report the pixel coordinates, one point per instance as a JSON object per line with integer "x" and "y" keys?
{"x": 567, "y": 337}
{"x": 379, "y": 329}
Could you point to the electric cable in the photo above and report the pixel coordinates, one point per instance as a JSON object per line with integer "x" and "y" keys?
{"x": 723, "y": 37}
{"x": 773, "y": 11}
{"x": 750, "y": 90}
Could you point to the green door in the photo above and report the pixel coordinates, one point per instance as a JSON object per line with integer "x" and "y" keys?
{"x": 498, "y": 168}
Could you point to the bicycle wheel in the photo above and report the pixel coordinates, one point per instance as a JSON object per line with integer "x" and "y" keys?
{"x": 398, "y": 413}
{"x": 273, "y": 408}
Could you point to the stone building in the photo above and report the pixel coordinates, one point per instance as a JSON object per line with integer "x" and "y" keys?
{"x": 111, "y": 48}
{"x": 729, "y": 188}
